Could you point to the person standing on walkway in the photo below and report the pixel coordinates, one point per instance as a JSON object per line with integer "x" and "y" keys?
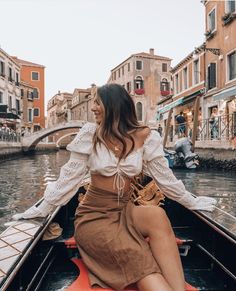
{"x": 181, "y": 122}
{"x": 214, "y": 123}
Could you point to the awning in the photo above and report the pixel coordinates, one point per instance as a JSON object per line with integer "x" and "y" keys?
{"x": 9, "y": 115}
{"x": 192, "y": 96}
{"x": 230, "y": 92}
{"x": 171, "y": 105}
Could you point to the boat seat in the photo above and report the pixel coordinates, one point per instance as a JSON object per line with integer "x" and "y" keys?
{"x": 82, "y": 281}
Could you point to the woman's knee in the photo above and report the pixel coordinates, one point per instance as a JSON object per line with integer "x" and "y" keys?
{"x": 153, "y": 282}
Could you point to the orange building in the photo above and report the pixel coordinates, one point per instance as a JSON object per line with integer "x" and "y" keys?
{"x": 34, "y": 75}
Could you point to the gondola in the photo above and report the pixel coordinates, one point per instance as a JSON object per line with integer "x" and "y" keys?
{"x": 206, "y": 244}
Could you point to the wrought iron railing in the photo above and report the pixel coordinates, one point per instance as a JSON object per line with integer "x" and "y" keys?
{"x": 222, "y": 127}
{"x": 8, "y": 136}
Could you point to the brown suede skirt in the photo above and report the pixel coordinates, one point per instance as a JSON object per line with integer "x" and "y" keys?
{"x": 114, "y": 251}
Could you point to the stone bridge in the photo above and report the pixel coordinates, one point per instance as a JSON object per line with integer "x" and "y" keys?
{"x": 29, "y": 142}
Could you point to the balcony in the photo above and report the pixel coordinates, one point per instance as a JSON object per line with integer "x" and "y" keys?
{"x": 165, "y": 93}
{"x": 228, "y": 17}
{"x": 209, "y": 34}
{"x": 139, "y": 91}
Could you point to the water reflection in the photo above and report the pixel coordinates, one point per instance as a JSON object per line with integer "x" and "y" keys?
{"x": 22, "y": 182}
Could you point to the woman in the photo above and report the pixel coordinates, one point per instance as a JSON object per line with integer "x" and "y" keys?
{"x": 214, "y": 119}
{"x": 109, "y": 229}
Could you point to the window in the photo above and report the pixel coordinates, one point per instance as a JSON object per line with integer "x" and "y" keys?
{"x": 128, "y": 86}
{"x": 139, "y": 65}
{"x": 35, "y": 76}
{"x": 138, "y": 83}
{"x": 1, "y": 97}
{"x": 17, "y": 106}
{"x": 232, "y": 65}
{"x": 17, "y": 79}
{"x": 185, "y": 78}
{"x": 139, "y": 110}
{"x": 2, "y": 69}
{"x": 119, "y": 73}
{"x": 10, "y": 74}
{"x": 196, "y": 72}
{"x": 164, "y": 67}
{"x": 211, "y": 70}
{"x": 35, "y": 93}
{"x": 176, "y": 83}
{"x": 212, "y": 20}
{"x": 114, "y": 76}
{"x": 36, "y": 111}
{"x": 30, "y": 117}
{"x": 128, "y": 67}
{"x": 123, "y": 70}
{"x": 165, "y": 85}
{"x": 230, "y": 6}
{"x": 10, "y": 103}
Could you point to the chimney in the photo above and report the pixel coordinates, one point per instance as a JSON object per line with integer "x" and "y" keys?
{"x": 59, "y": 92}
{"x": 151, "y": 51}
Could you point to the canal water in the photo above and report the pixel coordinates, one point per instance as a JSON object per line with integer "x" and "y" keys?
{"x": 23, "y": 181}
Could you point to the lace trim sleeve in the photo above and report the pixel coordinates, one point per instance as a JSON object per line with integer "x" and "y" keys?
{"x": 71, "y": 175}
{"x": 83, "y": 142}
{"x": 153, "y": 146}
{"x": 174, "y": 189}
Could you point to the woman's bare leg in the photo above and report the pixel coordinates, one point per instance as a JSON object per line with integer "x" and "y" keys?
{"x": 154, "y": 223}
{"x": 153, "y": 282}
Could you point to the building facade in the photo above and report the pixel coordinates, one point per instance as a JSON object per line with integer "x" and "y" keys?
{"x": 146, "y": 77}
{"x": 209, "y": 71}
{"x": 33, "y": 74}
{"x": 220, "y": 63}
{"x": 82, "y": 104}
{"x": 59, "y": 111}
{"x": 10, "y": 99}
{"x": 27, "y": 102}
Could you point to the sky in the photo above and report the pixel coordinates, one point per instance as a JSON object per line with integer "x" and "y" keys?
{"x": 80, "y": 41}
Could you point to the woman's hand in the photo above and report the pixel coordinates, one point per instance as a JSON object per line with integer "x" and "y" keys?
{"x": 43, "y": 210}
{"x": 198, "y": 203}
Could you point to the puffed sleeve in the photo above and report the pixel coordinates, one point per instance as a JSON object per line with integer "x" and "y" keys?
{"x": 156, "y": 166}
{"x": 71, "y": 175}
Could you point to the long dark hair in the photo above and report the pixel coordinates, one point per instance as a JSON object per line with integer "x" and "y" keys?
{"x": 119, "y": 117}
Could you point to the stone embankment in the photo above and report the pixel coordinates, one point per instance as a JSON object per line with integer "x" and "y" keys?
{"x": 11, "y": 150}
{"x": 217, "y": 159}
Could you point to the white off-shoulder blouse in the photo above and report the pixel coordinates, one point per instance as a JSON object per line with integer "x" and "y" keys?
{"x": 149, "y": 158}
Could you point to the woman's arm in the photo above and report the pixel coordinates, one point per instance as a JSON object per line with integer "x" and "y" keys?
{"x": 157, "y": 167}
{"x": 71, "y": 175}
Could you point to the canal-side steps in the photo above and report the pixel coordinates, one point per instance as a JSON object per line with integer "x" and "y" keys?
{"x": 206, "y": 243}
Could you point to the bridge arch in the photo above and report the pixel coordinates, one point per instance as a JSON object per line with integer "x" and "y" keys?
{"x": 64, "y": 136}
{"x": 29, "y": 142}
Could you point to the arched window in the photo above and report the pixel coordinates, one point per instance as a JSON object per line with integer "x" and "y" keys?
{"x": 165, "y": 85}
{"x": 139, "y": 111}
{"x": 138, "y": 83}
